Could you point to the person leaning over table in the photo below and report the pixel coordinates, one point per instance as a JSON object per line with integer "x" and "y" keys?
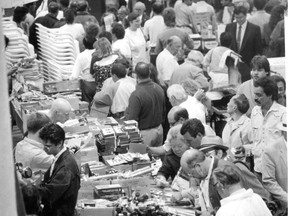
{"x": 236, "y": 200}
{"x": 213, "y": 146}
{"x": 29, "y": 151}
{"x": 197, "y": 165}
{"x": 177, "y": 115}
{"x": 59, "y": 188}
{"x": 171, "y": 163}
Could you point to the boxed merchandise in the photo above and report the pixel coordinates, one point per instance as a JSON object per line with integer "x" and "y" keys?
{"x": 107, "y": 211}
{"x": 109, "y": 192}
{"x": 61, "y": 86}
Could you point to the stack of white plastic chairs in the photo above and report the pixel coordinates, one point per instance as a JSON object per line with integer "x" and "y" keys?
{"x": 18, "y": 46}
{"x": 58, "y": 51}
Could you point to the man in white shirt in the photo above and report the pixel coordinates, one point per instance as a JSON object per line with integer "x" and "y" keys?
{"x": 203, "y": 9}
{"x": 116, "y": 96}
{"x": 153, "y": 27}
{"x": 184, "y": 17}
{"x": 30, "y": 151}
{"x": 260, "y": 17}
{"x": 119, "y": 43}
{"x": 166, "y": 61}
{"x": 178, "y": 97}
{"x": 264, "y": 119}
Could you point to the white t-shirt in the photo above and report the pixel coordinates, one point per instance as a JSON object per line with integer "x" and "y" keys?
{"x": 123, "y": 47}
{"x": 81, "y": 67}
{"x": 75, "y": 29}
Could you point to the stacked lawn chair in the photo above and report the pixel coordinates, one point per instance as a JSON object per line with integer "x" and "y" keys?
{"x": 58, "y": 51}
{"x": 18, "y": 47}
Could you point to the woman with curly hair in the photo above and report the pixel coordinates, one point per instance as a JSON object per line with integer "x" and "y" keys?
{"x": 102, "y": 61}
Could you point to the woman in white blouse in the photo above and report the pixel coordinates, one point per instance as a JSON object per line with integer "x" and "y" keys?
{"x": 136, "y": 40}
{"x": 81, "y": 69}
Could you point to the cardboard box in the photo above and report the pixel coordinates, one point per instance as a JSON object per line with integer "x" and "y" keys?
{"x": 89, "y": 154}
{"x": 109, "y": 192}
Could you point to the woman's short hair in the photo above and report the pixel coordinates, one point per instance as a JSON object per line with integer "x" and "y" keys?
{"x": 226, "y": 175}
{"x": 102, "y": 47}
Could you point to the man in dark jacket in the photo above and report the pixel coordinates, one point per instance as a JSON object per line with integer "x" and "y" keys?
{"x": 48, "y": 21}
{"x": 246, "y": 37}
{"x": 59, "y": 189}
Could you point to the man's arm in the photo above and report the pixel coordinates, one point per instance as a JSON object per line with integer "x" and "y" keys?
{"x": 159, "y": 46}
{"x": 105, "y": 96}
{"x": 133, "y": 109}
{"x": 42, "y": 160}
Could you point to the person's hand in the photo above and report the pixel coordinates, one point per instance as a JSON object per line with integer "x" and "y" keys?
{"x": 161, "y": 181}
{"x": 176, "y": 196}
{"x": 199, "y": 94}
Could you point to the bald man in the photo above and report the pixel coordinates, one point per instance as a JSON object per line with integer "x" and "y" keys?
{"x": 60, "y": 110}
{"x": 166, "y": 61}
{"x": 177, "y": 115}
{"x": 197, "y": 165}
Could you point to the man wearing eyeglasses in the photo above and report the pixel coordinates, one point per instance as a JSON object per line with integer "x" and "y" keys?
{"x": 59, "y": 189}
{"x": 198, "y": 165}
